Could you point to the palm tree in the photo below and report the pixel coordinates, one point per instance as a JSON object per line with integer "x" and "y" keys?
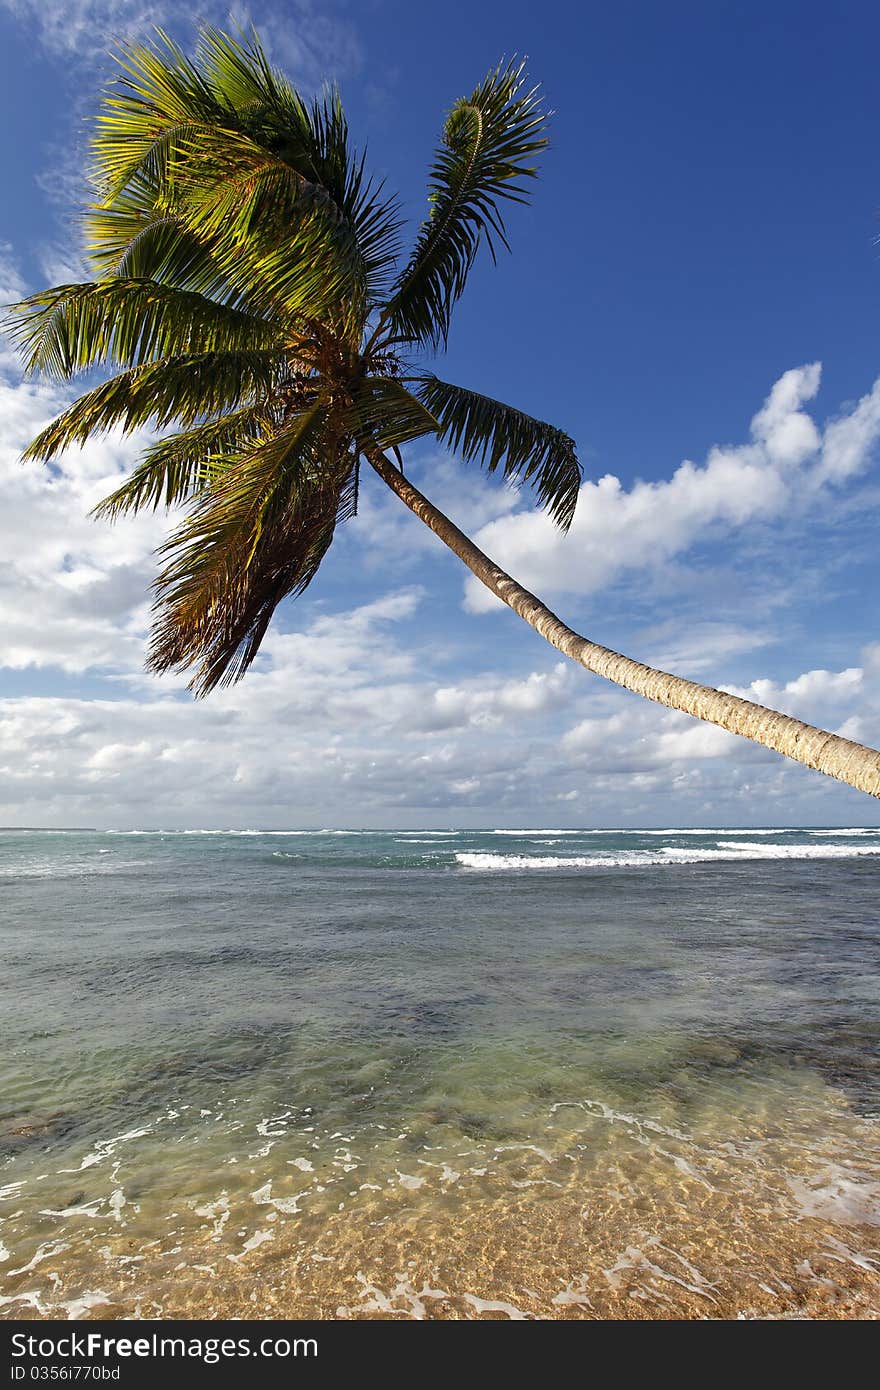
{"x": 249, "y": 290}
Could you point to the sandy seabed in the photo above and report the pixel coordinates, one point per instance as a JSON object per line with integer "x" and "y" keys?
{"x": 617, "y": 1219}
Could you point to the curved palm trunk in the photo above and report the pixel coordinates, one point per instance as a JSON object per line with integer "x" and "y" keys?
{"x": 829, "y": 753}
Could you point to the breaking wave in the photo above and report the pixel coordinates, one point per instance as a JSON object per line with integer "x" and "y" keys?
{"x": 728, "y": 850}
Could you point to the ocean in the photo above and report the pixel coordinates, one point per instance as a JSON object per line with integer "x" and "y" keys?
{"x": 440, "y": 1074}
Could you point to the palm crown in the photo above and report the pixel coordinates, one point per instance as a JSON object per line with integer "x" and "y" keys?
{"x": 250, "y": 293}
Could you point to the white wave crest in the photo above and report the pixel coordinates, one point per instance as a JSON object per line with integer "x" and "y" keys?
{"x": 744, "y": 849}
{"x": 706, "y": 832}
{"x": 727, "y": 851}
{"x": 546, "y": 861}
{"x": 853, "y": 830}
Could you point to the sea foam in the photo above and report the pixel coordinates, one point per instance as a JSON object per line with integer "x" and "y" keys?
{"x": 731, "y": 851}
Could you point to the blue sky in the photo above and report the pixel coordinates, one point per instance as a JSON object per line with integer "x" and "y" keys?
{"x": 697, "y": 280}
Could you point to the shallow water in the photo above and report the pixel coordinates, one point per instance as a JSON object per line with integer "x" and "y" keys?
{"x": 422, "y": 1074}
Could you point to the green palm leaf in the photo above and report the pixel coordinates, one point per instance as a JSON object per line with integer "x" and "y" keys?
{"x": 384, "y": 414}
{"x": 183, "y": 464}
{"x": 182, "y": 390}
{"x": 496, "y": 435}
{"x": 159, "y": 94}
{"x": 129, "y": 323}
{"x": 257, "y": 535}
{"x": 137, "y": 237}
{"x": 240, "y": 75}
{"x": 489, "y": 143}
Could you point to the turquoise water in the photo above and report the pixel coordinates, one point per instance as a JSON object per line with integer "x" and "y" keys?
{"x": 443, "y": 1074}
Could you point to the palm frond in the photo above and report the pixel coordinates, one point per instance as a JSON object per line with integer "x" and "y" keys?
{"x": 238, "y": 72}
{"x": 184, "y": 464}
{"x": 376, "y": 220}
{"x": 496, "y": 435}
{"x": 257, "y": 536}
{"x": 489, "y": 143}
{"x": 138, "y": 236}
{"x": 373, "y": 216}
{"x": 279, "y": 237}
{"x": 158, "y": 95}
{"x": 128, "y": 323}
{"x": 182, "y": 391}
{"x": 239, "y": 251}
{"x": 386, "y": 415}
{"x": 312, "y": 141}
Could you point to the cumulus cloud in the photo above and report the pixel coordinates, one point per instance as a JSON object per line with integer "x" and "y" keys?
{"x": 487, "y": 704}
{"x": 847, "y": 702}
{"x": 849, "y": 441}
{"x": 636, "y": 740}
{"x": 332, "y": 723}
{"x": 786, "y": 466}
{"x": 344, "y": 722}
{"x": 72, "y": 591}
{"x": 814, "y": 691}
{"x": 786, "y": 433}
{"x": 331, "y": 729}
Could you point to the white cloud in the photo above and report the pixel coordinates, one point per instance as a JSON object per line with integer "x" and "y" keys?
{"x": 60, "y": 264}
{"x": 785, "y": 431}
{"x": 487, "y": 704}
{"x": 465, "y": 786}
{"x": 345, "y": 722}
{"x": 329, "y": 724}
{"x": 75, "y": 28}
{"x": 636, "y": 739}
{"x": 384, "y": 526}
{"x": 813, "y": 690}
{"x": 72, "y": 590}
{"x": 784, "y": 468}
{"x": 12, "y": 286}
{"x": 849, "y": 440}
{"x": 304, "y": 744}
{"x": 305, "y": 37}
{"x": 698, "y": 647}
